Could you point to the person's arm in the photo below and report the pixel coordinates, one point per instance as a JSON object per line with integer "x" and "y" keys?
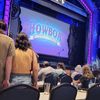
{"x": 7, "y": 72}
{"x": 11, "y": 52}
{"x": 35, "y": 70}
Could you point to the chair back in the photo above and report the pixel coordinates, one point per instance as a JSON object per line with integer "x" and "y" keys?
{"x": 66, "y": 79}
{"x": 20, "y": 92}
{"x": 63, "y": 92}
{"x": 93, "y": 93}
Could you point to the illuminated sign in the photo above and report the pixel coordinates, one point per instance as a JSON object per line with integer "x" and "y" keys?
{"x": 45, "y": 32}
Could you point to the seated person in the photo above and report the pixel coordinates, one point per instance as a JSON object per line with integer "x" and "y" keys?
{"x": 86, "y": 77}
{"x": 78, "y": 70}
{"x": 47, "y": 69}
{"x": 60, "y": 69}
{"x": 96, "y": 74}
{"x": 60, "y": 72}
{"x": 68, "y": 71}
{"x": 77, "y": 81}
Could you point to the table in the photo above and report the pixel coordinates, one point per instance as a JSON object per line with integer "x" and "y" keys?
{"x": 81, "y": 95}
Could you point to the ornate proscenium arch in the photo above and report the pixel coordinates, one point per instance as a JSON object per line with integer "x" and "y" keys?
{"x": 84, "y": 3}
{"x": 92, "y": 35}
{"x": 7, "y": 11}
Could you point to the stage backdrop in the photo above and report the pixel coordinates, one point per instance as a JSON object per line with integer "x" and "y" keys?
{"x": 48, "y": 35}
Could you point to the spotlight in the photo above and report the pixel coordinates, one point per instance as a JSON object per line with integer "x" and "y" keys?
{"x": 59, "y": 1}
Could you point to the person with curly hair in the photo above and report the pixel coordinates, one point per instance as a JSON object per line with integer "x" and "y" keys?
{"x": 86, "y": 77}
{"x": 24, "y": 61}
{"x": 87, "y": 71}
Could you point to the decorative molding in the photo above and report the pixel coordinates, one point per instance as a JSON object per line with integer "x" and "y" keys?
{"x": 7, "y": 11}
{"x": 92, "y": 34}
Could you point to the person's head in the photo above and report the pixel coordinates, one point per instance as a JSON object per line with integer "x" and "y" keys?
{"x": 22, "y": 41}
{"x": 61, "y": 66}
{"x": 2, "y": 26}
{"x": 68, "y": 71}
{"x": 77, "y": 77}
{"x": 78, "y": 68}
{"x": 86, "y": 69}
{"x": 46, "y": 64}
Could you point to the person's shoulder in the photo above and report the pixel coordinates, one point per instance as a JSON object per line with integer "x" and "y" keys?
{"x": 51, "y": 68}
{"x": 30, "y": 50}
{"x": 10, "y": 39}
{"x": 6, "y": 37}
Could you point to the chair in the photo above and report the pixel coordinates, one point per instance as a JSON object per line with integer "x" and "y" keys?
{"x": 63, "y": 92}
{"x": 85, "y": 82}
{"x": 20, "y": 92}
{"x": 93, "y": 93}
{"x": 66, "y": 79}
{"x": 77, "y": 77}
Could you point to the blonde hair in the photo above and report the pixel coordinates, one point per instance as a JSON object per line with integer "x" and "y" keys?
{"x": 87, "y": 71}
{"x": 78, "y": 68}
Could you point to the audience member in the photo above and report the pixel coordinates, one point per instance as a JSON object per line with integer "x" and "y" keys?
{"x": 47, "y": 69}
{"x": 7, "y": 51}
{"x": 78, "y": 70}
{"x": 87, "y": 76}
{"x": 68, "y": 71}
{"x": 24, "y": 60}
{"x": 60, "y": 69}
{"x": 77, "y": 81}
{"x": 87, "y": 72}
